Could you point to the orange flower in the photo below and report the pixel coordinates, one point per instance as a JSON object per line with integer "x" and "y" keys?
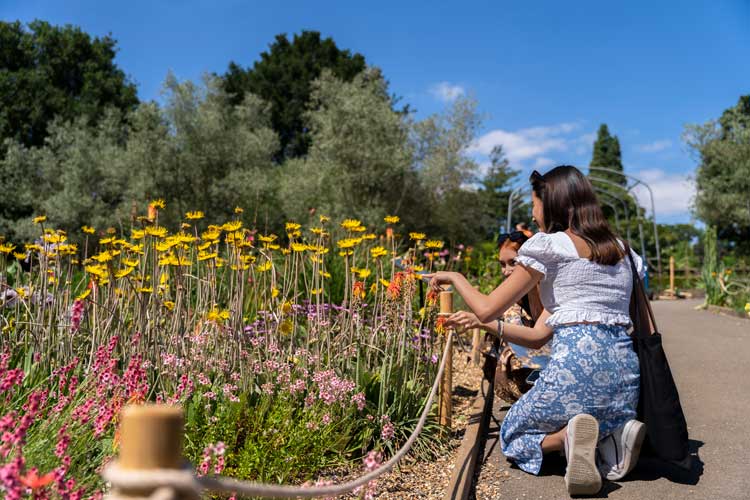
{"x": 358, "y": 290}
{"x": 394, "y": 288}
{"x": 440, "y": 325}
{"x": 34, "y": 481}
{"x": 432, "y": 297}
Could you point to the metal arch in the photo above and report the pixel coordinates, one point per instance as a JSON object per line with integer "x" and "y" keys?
{"x": 610, "y": 205}
{"x": 636, "y": 182}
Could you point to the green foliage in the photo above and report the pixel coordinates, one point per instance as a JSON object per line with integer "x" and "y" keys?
{"x": 52, "y": 71}
{"x": 359, "y": 164}
{"x": 495, "y": 190}
{"x": 284, "y": 78}
{"x": 723, "y": 175}
{"x": 198, "y": 151}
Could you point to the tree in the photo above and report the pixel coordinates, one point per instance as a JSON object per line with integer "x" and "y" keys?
{"x": 50, "y": 71}
{"x": 722, "y": 178}
{"x": 495, "y": 190}
{"x": 360, "y": 162}
{"x": 448, "y": 174}
{"x": 283, "y": 77}
{"x": 606, "y": 154}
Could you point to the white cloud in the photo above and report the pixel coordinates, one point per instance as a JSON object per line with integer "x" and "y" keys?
{"x": 446, "y": 91}
{"x": 543, "y": 162}
{"x": 653, "y": 147}
{"x": 673, "y": 193}
{"x": 533, "y": 147}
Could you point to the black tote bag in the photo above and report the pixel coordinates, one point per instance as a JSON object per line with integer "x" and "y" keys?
{"x": 659, "y": 404}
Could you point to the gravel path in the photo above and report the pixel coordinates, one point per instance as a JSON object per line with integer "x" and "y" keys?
{"x": 710, "y": 359}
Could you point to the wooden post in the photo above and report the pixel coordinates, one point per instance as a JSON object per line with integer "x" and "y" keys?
{"x": 671, "y": 274}
{"x": 150, "y": 438}
{"x": 476, "y": 345}
{"x": 446, "y": 384}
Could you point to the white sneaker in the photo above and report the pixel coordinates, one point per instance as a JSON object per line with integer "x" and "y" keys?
{"x": 618, "y": 453}
{"x": 581, "y": 476}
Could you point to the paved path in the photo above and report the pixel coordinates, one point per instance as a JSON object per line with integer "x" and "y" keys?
{"x": 710, "y": 360}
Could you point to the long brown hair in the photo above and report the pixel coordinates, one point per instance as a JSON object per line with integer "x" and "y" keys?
{"x": 532, "y": 301}
{"x": 569, "y": 202}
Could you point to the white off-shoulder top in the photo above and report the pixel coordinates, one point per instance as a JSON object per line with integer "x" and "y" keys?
{"x": 575, "y": 289}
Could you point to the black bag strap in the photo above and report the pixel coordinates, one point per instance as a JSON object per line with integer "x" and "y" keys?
{"x": 640, "y": 306}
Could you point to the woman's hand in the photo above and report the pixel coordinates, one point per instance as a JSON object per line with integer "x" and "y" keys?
{"x": 464, "y": 320}
{"x": 440, "y": 278}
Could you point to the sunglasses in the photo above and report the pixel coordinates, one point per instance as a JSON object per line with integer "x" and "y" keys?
{"x": 513, "y": 236}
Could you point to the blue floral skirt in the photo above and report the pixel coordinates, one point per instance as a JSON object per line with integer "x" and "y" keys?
{"x": 593, "y": 369}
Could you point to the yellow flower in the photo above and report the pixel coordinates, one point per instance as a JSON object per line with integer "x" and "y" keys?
{"x": 88, "y": 229}
{"x": 378, "y": 252}
{"x": 324, "y": 274}
{"x": 417, "y": 269}
{"x": 194, "y": 215}
{"x": 316, "y": 291}
{"x": 324, "y": 218}
{"x": 169, "y": 305}
{"x": 286, "y": 307}
{"x": 232, "y": 226}
{"x": 123, "y": 272}
{"x": 344, "y": 253}
{"x": 417, "y": 236}
{"x": 146, "y": 289}
{"x": 292, "y": 227}
{"x": 369, "y": 236}
{"x": 349, "y": 242}
{"x": 436, "y": 244}
{"x": 206, "y": 256}
{"x": 158, "y": 231}
{"x": 164, "y": 246}
{"x": 97, "y": 270}
{"x": 39, "y": 219}
{"x": 85, "y": 294}
{"x": 364, "y": 273}
{"x": 211, "y": 235}
{"x": 33, "y": 247}
{"x": 274, "y": 292}
{"x": 7, "y": 248}
{"x": 384, "y": 282}
{"x": 267, "y": 239}
{"x": 105, "y": 256}
{"x": 238, "y": 210}
{"x": 19, "y": 255}
{"x": 747, "y": 308}
{"x": 137, "y": 234}
{"x": 299, "y": 247}
{"x": 159, "y": 203}
{"x": 218, "y": 315}
{"x": 131, "y": 262}
{"x": 351, "y": 224}
{"x": 392, "y": 219}
{"x": 264, "y": 267}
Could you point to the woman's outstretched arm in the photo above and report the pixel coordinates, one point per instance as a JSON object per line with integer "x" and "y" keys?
{"x": 533, "y": 338}
{"x": 489, "y": 307}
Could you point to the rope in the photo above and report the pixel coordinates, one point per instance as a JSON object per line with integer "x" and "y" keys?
{"x": 167, "y": 482}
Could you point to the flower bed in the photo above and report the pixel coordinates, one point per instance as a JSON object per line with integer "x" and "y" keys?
{"x": 288, "y": 354}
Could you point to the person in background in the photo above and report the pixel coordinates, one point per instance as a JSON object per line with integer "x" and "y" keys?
{"x": 515, "y": 361}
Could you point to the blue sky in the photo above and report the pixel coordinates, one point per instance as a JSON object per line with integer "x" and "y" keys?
{"x": 545, "y": 73}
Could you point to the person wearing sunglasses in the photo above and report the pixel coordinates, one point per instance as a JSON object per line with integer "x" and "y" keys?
{"x": 591, "y": 384}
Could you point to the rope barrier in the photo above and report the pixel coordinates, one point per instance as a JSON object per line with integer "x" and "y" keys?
{"x": 170, "y": 484}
